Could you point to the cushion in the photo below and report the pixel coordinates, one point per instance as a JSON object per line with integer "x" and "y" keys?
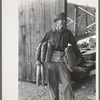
{"x": 70, "y": 58}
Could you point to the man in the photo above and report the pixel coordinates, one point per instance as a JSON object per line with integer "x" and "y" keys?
{"x": 59, "y": 37}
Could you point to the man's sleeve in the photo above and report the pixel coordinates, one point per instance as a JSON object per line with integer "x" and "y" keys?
{"x": 73, "y": 42}
{"x": 45, "y": 38}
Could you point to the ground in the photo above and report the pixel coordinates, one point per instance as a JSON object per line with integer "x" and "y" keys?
{"x": 84, "y": 89}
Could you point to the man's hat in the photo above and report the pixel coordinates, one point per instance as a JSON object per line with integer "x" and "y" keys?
{"x": 60, "y": 16}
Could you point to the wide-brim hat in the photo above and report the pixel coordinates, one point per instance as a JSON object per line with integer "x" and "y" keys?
{"x": 60, "y": 16}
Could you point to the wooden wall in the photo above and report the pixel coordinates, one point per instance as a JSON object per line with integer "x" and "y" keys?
{"x": 35, "y": 19}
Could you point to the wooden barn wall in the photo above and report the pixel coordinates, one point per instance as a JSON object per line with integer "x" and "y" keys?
{"x": 35, "y": 19}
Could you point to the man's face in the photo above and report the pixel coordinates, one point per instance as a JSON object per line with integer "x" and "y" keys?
{"x": 60, "y": 24}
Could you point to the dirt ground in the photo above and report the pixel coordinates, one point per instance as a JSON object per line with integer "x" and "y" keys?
{"x": 84, "y": 89}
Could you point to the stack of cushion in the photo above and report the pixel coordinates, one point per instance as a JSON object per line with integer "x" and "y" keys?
{"x": 78, "y": 71}
{"x": 43, "y": 52}
{"x": 70, "y": 58}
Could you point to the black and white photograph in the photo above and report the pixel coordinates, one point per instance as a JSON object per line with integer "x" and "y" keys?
{"x": 56, "y": 50}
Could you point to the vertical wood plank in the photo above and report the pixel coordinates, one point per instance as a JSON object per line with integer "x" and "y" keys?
{"x": 47, "y": 15}
{"x": 56, "y": 7}
{"x": 61, "y": 6}
{"x": 29, "y": 76}
{"x": 86, "y": 22}
{"x": 76, "y": 21}
{"x": 32, "y": 33}
{"x": 42, "y": 17}
{"x": 24, "y": 47}
{"x": 20, "y": 43}
{"x": 22, "y": 56}
{"x": 74, "y": 29}
{"x": 29, "y": 66}
{"x": 36, "y": 34}
{"x": 27, "y": 40}
{"x": 52, "y": 12}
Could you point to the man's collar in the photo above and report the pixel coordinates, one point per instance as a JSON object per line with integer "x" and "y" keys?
{"x": 60, "y": 31}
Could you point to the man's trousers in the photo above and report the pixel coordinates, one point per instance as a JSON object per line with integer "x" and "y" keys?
{"x": 58, "y": 73}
